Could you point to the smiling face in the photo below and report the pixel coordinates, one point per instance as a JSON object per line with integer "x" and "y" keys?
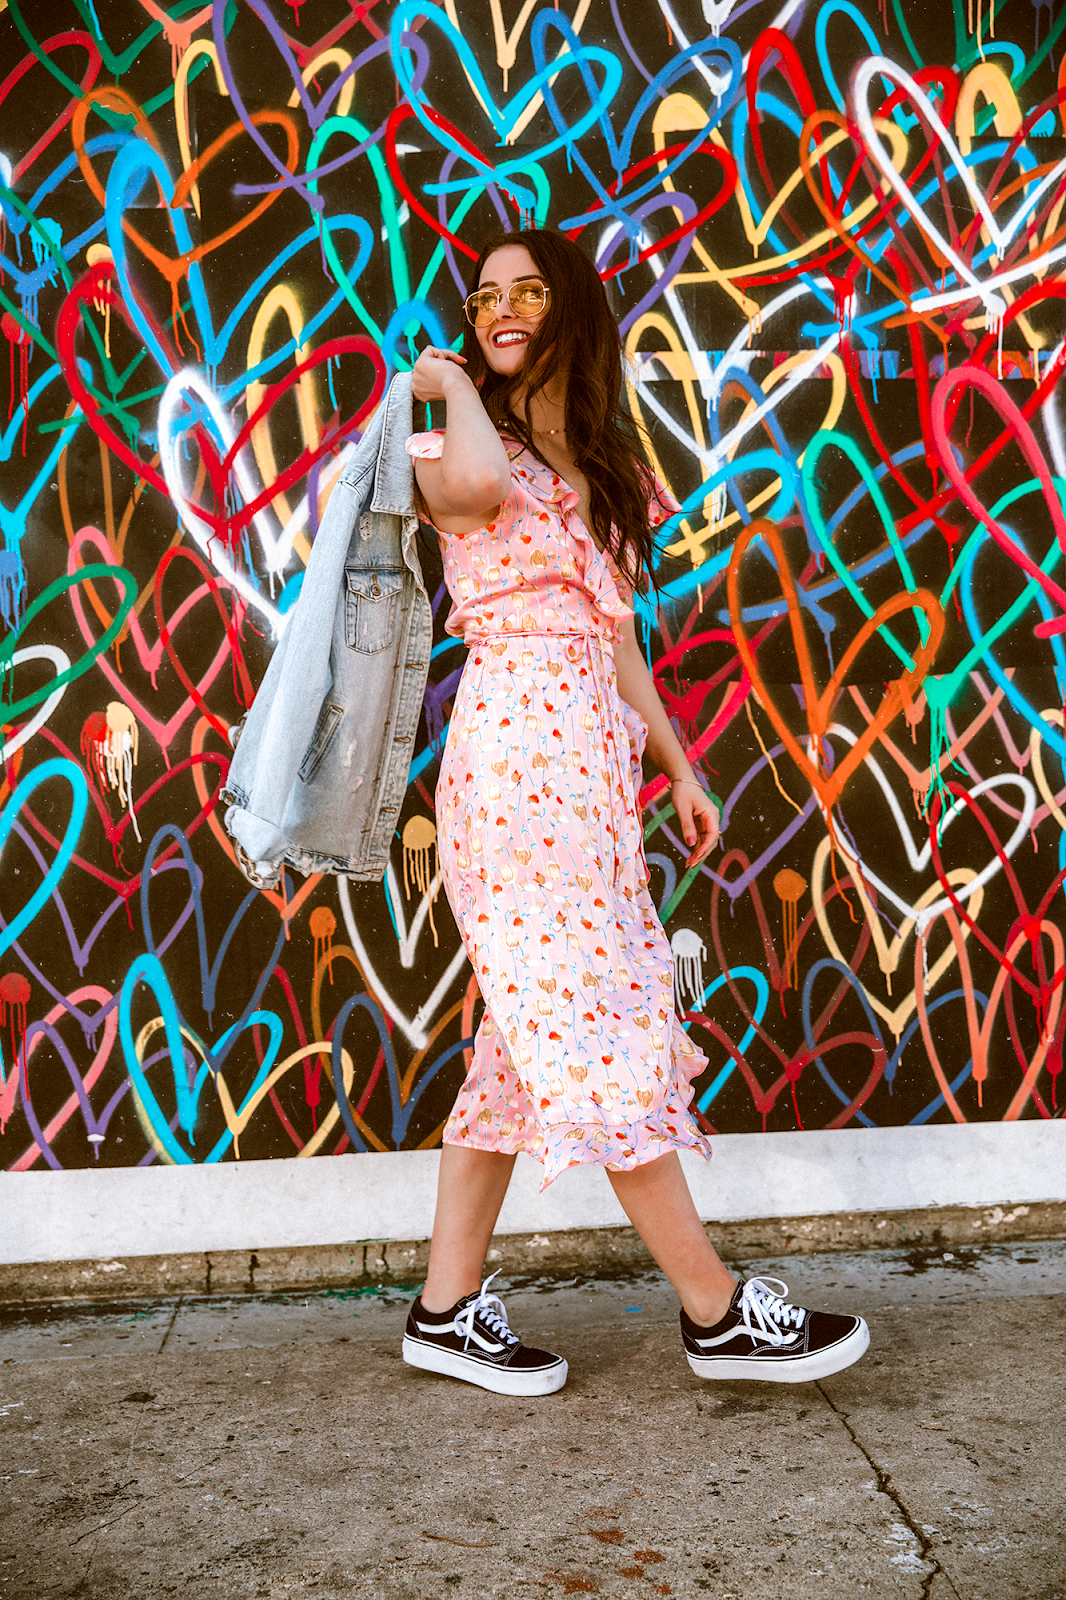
{"x": 503, "y": 343}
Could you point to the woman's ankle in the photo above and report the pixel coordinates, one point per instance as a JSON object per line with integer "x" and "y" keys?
{"x": 440, "y": 1295}
{"x": 707, "y": 1305}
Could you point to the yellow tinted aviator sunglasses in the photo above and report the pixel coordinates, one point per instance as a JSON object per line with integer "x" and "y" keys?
{"x": 526, "y": 299}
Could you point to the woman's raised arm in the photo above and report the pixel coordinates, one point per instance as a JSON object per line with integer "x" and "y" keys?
{"x": 472, "y": 477}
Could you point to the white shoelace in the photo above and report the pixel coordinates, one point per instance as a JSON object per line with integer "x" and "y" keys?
{"x": 490, "y": 1309}
{"x": 777, "y": 1321}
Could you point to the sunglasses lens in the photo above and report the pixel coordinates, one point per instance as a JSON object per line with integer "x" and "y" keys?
{"x": 481, "y": 308}
{"x": 527, "y": 299}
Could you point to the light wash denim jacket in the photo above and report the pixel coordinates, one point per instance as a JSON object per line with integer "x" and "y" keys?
{"x": 322, "y": 759}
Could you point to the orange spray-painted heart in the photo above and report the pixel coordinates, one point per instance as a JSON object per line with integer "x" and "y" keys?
{"x": 829, "y": 786}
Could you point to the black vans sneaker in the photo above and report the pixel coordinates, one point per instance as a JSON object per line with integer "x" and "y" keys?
{"x": 472, "y": 1341}
{"x": 762, "y": 1336}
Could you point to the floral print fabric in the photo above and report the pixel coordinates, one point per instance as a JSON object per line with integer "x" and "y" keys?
{"x": 579, "y": 1056}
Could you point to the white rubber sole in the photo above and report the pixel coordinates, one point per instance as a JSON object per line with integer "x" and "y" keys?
{"x": 785, "y": 1369}
{"x": 500, "y": 1380}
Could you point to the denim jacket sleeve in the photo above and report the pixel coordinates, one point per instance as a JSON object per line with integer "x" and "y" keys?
{"x": 322, "y": 760}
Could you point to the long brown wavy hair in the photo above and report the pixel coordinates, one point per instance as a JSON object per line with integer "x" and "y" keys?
{"x": 578, "y": 339}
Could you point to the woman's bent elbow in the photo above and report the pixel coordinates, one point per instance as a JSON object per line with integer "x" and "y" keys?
{"x": 476, "y": 490}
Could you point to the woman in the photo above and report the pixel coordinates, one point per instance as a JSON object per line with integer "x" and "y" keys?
{"x": 545, "y": 510}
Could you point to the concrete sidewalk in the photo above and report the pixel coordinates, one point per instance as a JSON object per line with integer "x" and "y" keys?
{"x": 268, "y": 1446}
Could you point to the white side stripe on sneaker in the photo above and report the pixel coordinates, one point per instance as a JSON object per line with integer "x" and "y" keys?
{"x": 764, "y": 1316}
{"x": 768, "y": 1336}
{"x": 490, "y": 1348}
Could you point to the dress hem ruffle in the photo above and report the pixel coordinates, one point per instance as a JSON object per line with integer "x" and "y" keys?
{"x": 642, "y": 1145}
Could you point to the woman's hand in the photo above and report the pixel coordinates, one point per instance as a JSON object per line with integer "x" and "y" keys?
{"x": 697, "y": 817}
{"x": 435, "y": 372}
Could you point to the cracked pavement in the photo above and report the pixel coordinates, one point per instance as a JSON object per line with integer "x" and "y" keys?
{"x": 277, "y": 1445}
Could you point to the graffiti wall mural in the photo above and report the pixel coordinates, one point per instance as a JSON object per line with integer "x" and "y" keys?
{"x": 834, "y": 234}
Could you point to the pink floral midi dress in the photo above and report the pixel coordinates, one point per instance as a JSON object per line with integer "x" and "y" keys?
{"x": 579, "y": 1056}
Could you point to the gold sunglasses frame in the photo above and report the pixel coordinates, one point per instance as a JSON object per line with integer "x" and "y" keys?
{"x": 499, "y": 293}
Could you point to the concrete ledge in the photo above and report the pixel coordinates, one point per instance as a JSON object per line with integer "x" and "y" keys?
{"x": 595, "y": 1252}
{"x": 258, "y": 1206}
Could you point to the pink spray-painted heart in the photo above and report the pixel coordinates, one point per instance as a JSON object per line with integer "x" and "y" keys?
{"x": 83, "y": 1083}
{"x": 149, "y": 656}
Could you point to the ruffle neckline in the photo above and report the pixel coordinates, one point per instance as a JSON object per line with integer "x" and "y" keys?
{"x": 602, "y": 579}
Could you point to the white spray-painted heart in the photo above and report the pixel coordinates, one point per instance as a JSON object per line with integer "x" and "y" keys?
{"x": 999, "y": 233}
{"x": 414, "y": 1028}
{"x": 61, "y": 661}
{"x": 277, "y": 546}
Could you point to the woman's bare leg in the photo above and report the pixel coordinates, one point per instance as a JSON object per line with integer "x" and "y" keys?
{"x": 470, "y": 1191}
{"x": 656, "y": 1199}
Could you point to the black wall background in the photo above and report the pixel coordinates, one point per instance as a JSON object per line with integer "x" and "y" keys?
{"x": 821, "y": 995}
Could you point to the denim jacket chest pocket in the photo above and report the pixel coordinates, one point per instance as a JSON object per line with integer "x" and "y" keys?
{"x": 372, "y": 604}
